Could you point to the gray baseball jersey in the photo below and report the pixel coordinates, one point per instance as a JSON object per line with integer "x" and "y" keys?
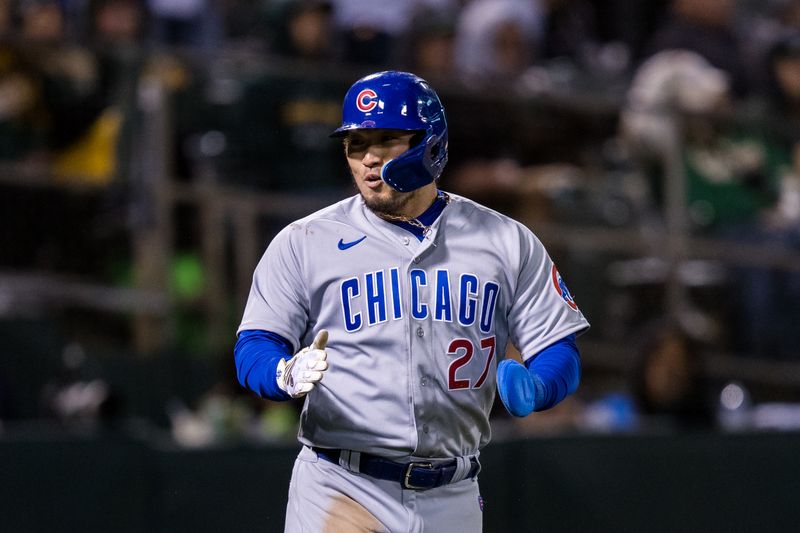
{"x": 416, "y": 328}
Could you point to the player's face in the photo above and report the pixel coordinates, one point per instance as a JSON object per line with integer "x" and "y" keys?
{"x": 367, "y": 151}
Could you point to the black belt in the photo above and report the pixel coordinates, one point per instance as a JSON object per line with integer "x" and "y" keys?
{"x": 416, "y": 475}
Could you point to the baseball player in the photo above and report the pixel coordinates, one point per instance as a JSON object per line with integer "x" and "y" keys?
{"x": 390, "y": 312}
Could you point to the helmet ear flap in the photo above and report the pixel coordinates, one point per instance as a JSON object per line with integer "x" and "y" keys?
{"x": 419, "y": 166}
{"x": 407, "y": 172}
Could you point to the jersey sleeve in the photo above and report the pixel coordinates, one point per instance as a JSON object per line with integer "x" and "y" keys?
{"x": 542, "y": 309}
{"x": 278, "y": 300}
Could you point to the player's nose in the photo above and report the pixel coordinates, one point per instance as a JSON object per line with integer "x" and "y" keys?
{"x": 371, "y": 158}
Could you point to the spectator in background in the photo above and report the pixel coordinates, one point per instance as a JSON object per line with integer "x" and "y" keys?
{"x": 304, "y": 31}
{"x": 6, "y": 18}
{"x": 569, "y": 30}
{"x": 247, "y": 23}
{"x": 787, "y": 13}
{"x": 187, "y": 23}
{"x": 782, "y": 91}
{"x": 429, "y": 44}
{"x": 371, "y": 31}
{"x": 498, "y": 40}
{"x": 668, "y": 382}
{"x": 71, "y": 93}
{"x": 117, "y": 23}
{"x": 629, "y": 23}
{"x": 768, "y": 298}
{"x": 42, "y": 20}
{"x": 572, "y": 58}
{"x": 279, "y": 129}
{"x": 114, "y": 34}
{"x": 736, "y": 183}
{"x": 766, "y": 24}
{"x": 731, "y": 172}
{"x": 51, "y": 92}
{"x": 581, "y": 36}
{"x": 23, "y": 121}
{"x": 117, "y": 32}
{"x": 782, "y": 109}
{"x": 706, "y": 28}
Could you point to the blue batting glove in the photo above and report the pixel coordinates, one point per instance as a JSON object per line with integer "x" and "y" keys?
{"x": 520, "y": 390}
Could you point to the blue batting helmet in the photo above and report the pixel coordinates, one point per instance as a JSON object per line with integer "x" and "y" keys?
{"x": 400, "y": 101}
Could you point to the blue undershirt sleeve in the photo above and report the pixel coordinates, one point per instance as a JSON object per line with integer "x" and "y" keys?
{"x": 257, "y": 353}
{"x": 556, "y": 371}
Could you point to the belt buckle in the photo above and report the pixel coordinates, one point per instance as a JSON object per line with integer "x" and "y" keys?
{"x": 407, "y": 475}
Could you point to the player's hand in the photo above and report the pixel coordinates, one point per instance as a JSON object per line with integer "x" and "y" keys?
{"x": 298, "y": 376}
{"x": 518, "y": 387}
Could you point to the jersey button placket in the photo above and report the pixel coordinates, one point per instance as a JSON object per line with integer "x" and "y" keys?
{"x": 424, "y": 397}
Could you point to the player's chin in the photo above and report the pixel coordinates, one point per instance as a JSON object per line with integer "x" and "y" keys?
{"x": 378, "y": 190}
{"x": 385, "y": 201}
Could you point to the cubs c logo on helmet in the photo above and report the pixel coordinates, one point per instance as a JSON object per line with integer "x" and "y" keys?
{"x": 561, "y": 289}
{"x": 366, "y": 100}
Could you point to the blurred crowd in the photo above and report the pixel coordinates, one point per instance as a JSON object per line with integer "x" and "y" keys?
{"x": 66, "y": 63}
{"x": 559, "y": 110}
{"x": 70, "y": 71}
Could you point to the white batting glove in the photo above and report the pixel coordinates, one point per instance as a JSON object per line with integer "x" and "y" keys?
{"x": 297, "y": 376}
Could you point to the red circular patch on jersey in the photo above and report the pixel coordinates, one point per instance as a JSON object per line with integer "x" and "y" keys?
{"x": 366, "y": 100}
{"x": 561, "y": 289}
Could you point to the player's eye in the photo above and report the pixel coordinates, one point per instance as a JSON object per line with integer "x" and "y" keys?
{"x": 391, "y": 138}
{"x": 355, "y": 145}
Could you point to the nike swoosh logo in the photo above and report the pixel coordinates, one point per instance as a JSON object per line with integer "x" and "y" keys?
{"x": 345, "y": 245}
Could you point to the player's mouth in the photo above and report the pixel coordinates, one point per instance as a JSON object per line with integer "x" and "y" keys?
{"x": 373, "y": 180}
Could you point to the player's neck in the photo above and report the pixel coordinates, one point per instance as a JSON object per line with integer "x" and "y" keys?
{"x": 420, "y": 202}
